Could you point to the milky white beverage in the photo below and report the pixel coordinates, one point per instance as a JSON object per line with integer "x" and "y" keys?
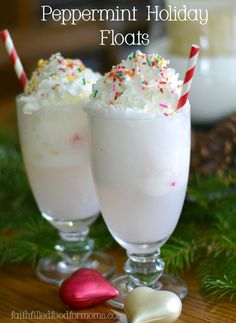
{"x": 55, "y": 149}
{"x": 140, "y": 151}
{"x": 54, "y": 140}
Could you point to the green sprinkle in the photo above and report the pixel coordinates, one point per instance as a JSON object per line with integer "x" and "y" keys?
{"x": 84, "y": 81}
{"x": 148, "y": 61}
{"x": 79, "y": 70}
{"x": 95, "y": 93}
{"x": 134, "y": 54}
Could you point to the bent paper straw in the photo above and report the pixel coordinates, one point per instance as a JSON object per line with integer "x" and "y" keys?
{"x": 15, "y": 60}
{"x": 192, "y": 61}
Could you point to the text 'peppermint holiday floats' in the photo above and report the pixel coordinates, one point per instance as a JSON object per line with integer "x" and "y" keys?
{"x": 117, "y": 14}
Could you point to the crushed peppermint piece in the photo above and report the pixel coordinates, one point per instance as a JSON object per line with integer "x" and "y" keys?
{"x": 162, "y": 105}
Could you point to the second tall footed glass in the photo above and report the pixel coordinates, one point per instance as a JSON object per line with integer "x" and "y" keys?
{"x": 141, "y": 168}
{"x": 140, "y": 144}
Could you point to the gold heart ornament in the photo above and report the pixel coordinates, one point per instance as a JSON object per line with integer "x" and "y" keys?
{"x": 145, "y": 305}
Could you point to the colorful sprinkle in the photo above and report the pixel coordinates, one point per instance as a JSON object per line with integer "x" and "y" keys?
{"x": 162, "y": 105}
{"x": 148, "y": 61}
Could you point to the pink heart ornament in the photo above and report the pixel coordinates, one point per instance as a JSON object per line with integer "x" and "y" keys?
{"x": 85, "y": 288}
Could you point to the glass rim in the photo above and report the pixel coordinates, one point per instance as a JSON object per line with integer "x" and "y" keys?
{"x": 137, "y": 116}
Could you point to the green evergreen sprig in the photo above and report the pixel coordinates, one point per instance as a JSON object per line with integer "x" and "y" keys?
{"x": 205, "y": 238}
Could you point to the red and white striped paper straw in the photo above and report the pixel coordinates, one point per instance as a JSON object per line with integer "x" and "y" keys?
{"x": 192, "y": 61}
{"x": 15, "y": 60}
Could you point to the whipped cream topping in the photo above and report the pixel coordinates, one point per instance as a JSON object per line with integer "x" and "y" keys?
{"x": 141, "y": 83}
{"x": 58, "y": 81}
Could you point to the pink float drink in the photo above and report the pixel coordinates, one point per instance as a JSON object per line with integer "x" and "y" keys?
{"x": 140, "y": 148}
{"x": 141, "y": 172}
{"x": 54, "y": 140}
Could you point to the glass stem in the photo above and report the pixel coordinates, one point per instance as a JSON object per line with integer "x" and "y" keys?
{"x": 75, "y": 247}
{"x": 144, "y": 269}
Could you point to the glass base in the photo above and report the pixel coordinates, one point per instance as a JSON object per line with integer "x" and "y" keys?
{"x": 165, "y": 282}
{"x": 54, "y": 269}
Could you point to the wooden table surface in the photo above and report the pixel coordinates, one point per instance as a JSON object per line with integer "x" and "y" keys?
{"x": 21, "y": 291}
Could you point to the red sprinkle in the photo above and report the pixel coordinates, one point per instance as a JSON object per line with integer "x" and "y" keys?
{"x": 77, "y": 138}
{"x": 117, "y": 94}
{"x": 162, "y": 105}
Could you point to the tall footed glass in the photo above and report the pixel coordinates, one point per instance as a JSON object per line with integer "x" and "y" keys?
{"x": 140, "y": 166}
{"x": 55, "y": 151}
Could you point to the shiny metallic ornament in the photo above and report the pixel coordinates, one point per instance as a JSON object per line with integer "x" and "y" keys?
{"x": 85, "y": 288}
{"x": 145, "y": 305}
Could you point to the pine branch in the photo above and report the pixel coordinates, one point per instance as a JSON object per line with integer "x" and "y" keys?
{"x": 218, "y": 278}
{"x": 38, "y": 238}
{"x": 212, "y": 187}
{"x": 222, "y": 245}
{"x": 219, "y": 288}
{"x": 179, "y": 255}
